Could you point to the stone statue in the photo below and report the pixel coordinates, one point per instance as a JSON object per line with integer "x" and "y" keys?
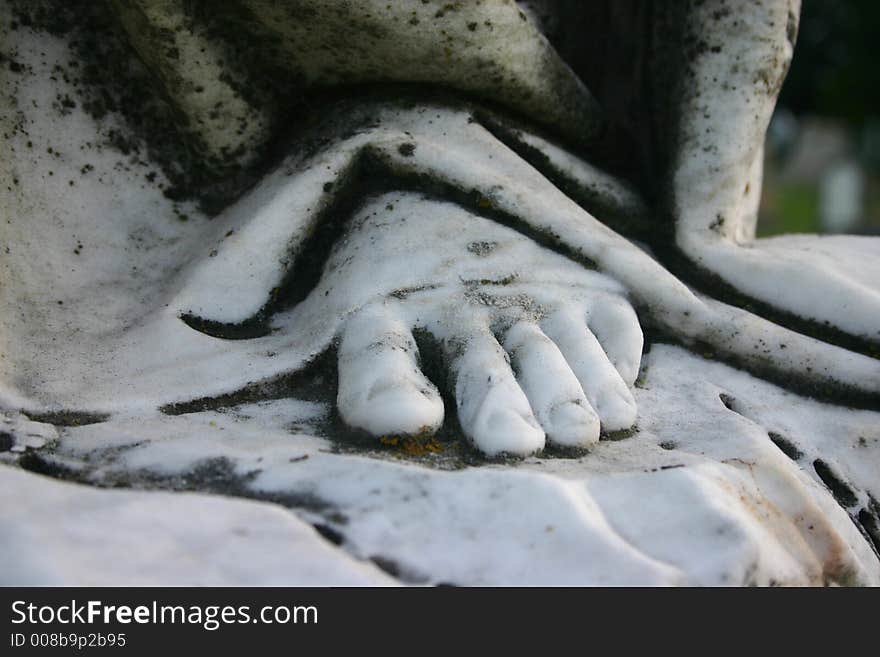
{"x": 410, "y": 206}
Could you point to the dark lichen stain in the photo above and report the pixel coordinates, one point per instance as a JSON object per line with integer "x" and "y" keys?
{"x": 67, "y": 418}
{"x": 42, "y": 464}
{"x": 330, "y": 533}
{"x": 482, "y": 248}
{"x": 842, "y": 492}
{"x": 482, "y": 282}
{"x": 786, "y": 446}
{"x": 620, "y": 434}
{"x": 397, "y": 571}
{"x": 7, "y": 441}
{"x": 871, "y": 525}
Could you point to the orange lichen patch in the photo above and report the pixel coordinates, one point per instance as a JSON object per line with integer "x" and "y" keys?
{"x": 421, "y": 444}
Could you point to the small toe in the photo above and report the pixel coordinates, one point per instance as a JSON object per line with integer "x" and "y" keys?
{"x": 553, "y": 391}
{"x": 602, "y": 384}
{"x": 381, "y": 389}
{"x": 616, "y": 325}
{"x": 492, "y": 409}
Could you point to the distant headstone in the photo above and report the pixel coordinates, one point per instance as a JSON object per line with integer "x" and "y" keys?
{"x": 841, "y": 197}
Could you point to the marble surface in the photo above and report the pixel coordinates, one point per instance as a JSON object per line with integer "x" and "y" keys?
{"x": 726, "y": 480}
{"x": 706, "y": 492}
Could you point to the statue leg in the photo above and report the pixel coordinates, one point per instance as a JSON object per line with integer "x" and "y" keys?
{"x": 459, "y": 159}
{"x": 725, "y": 103}
{"x": 455, "y": 157}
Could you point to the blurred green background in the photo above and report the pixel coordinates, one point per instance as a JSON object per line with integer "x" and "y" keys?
{"x": 822, "y": 165}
